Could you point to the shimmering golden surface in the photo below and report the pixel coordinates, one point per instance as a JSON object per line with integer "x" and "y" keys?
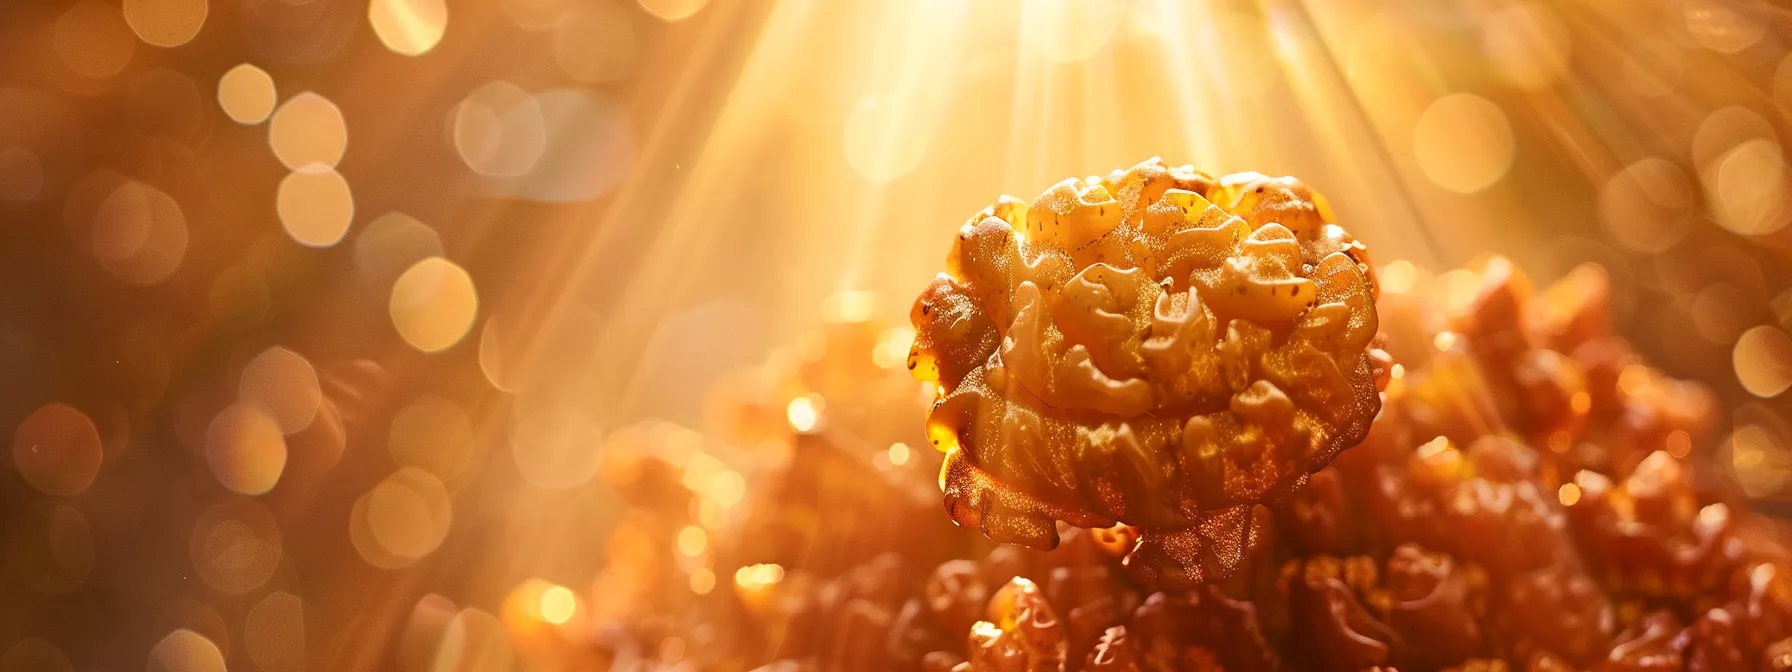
{"x": 1156, "y": 347}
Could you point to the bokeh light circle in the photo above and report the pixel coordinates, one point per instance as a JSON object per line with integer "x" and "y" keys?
{"x": 34, "y": 655}
{"x": 1763, "y": 361}
{"x": 555, "y": 447}
{"x": 881, "y": 141}
{"x": 409, "y": 27}
{"x": 246, "y": 449}
{"x": 390, "y": 244}
{"x": 308, "y": 130}
{"x": 536, "y": 14}
{"x": 403, "y": 518}
{"x": 673, "y": 10}
{"x": 1748, "y": 190}
{"x": 283, "y": 384}
{"x": 139, "y": 233}
{"x": 433, "y": 304}
{"x": 247, "y": 94}
{"x": 315, "y": 206}
{"x": 1649, "y": 206}
{"x": 1463, "y": 143}
{"x": 57, "y": 449}
{"x": 274, "y": 633}
{"x": 166, "y": 23}
{"x": 93, "y": 39}
{"x": 235, "y": 546}
{"x": 499, "y": 130}
{"x": 185, "y": 651}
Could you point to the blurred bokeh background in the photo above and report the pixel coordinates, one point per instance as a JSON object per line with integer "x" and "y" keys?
{"x": 320, "y": 319}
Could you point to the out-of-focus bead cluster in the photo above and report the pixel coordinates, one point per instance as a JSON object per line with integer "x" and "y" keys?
{"x": 1531, "y": 497}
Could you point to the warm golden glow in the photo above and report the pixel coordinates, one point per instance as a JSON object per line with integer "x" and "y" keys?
{"x": 601, "y": 285}
{"x": 892, "y": 347}
{"x": 555, "y": 447}
{"x": 758, "y": 576}
{"x": 1069, "y": 30}
{"x": 558, "y": 604}
{"x": 692, "y": 540}
{"x": 1398, "y": 276}
{"x": 898, "y": 454}
{"x": 1443, "y": 340}
{"x": 499, "y": 131}
{"x": 804, "y": 413}
{"x": 1568, "y": 494}
{"x": 727, "y": 488}
{"x": 880, "y": 140}
{"x": 703, "y": 581}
